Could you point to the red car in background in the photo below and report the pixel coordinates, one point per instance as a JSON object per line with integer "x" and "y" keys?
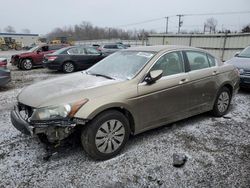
{"x": 34, "y": 56}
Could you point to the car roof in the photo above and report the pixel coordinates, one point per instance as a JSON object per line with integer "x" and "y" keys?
{"x": 158, "y": 48}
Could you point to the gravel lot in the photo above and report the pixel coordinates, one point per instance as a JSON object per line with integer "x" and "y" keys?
{"x": 218, "y": 151}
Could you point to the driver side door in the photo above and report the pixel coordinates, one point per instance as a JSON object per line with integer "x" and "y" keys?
{"x": 165, "y": 100}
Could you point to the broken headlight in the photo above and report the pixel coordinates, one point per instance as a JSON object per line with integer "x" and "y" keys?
{"x": 58, "y": 112}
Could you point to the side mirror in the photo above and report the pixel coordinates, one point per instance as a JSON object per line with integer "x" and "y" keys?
{"x": 236, "y": 54}
{"x": 153, "y": 76}
{"x": 38, "y": 51}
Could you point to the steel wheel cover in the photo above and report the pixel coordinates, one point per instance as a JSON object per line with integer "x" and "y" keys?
{"x": 110, "y": 136}
{"x": 223, "y": 102}
{"x": 27, "y": 64}
{"x": 69, "y": 67}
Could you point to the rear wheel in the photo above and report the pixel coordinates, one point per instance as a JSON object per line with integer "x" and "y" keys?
{"x": 222, "y": 102}
{"x": 68, "y": 67}
{"x": 106, "y": 135}
{"x": 26, "y": 64}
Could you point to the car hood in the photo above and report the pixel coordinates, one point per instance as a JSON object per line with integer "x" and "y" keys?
{"x": 240, "y": 62}
{"x": 24, "y": 54}
{"x": 65, "y": 89}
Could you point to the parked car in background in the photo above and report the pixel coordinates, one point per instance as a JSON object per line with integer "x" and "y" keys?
{"x": 34, "y": 56}
{"x": 128, "y": 92}
{"x": 111, "y": 48}
{"x": 73, "y": 58}
{"x": 5, "y": 75}
{"x": 242, "y": 62}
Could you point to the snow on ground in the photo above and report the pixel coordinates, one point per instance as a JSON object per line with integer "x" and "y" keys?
{"x": 218, "y": 151}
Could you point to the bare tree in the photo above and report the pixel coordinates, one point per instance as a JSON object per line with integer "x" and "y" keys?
{"x": 246, "y": 29}
{"x": 9, "y": 29}
{"x": 210, "y": 24}
{"x": 86, "y": 31}
{"x": 26, "y": 31}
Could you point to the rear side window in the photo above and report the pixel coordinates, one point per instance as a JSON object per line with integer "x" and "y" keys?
{"x": 211, "y": 60}
{"x": 197, "y": 60}
{"x": 170, "y": 64}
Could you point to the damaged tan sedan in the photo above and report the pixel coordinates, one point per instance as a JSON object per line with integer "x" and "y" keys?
{"x": 129, "y": 92}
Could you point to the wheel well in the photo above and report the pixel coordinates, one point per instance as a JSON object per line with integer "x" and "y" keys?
{"x": 228, "y": 86}
{"x": 127, "y": 115}
{"x": 21, "y": 60}
{"x": 68, "y": 61}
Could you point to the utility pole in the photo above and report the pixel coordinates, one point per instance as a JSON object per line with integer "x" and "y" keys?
{"x": 167, "y": 24}
{"x": 180, "y": 22}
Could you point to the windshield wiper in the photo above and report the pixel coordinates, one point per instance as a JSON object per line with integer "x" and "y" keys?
{"x": 102, "y": 75}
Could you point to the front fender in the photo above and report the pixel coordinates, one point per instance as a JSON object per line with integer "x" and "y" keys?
{"x": 89, "y": 111}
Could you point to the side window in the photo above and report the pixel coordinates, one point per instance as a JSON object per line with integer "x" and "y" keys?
{"x": 120, "y": 46}
{"x": 170, "y": 64}
{"x": 211, "y": 60}
{"x": 73, "y": 51}
{"x": 107, "y": 46}
{"x": 92, "y": 51}
{"x": 197, "y": 60}
{"x": 76, "y": 51}
{"x": 45, "y": 48}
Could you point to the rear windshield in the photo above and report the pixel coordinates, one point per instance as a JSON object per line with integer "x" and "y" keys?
{"x": 61, "y": 51}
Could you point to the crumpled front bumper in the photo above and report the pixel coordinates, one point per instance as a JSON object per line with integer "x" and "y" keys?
{"x": 55, "y": 130}
{"x": 19, "y": 123}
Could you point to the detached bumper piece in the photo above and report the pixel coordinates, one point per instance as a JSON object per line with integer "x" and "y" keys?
{"x": 19, "y": 123}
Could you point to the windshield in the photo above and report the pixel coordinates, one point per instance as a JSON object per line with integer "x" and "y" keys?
{"x": 121, "y": 65}
{"x": 245, "y": 52}
{"x": 33, "y": 49}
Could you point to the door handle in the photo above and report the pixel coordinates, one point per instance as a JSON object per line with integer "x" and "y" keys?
{"x": 215, "y": 72}
{"x": 183, "y": 80}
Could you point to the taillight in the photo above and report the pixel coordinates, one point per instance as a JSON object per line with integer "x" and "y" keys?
{"x": 51, "y": 58}
{"x": 3, "y": 63}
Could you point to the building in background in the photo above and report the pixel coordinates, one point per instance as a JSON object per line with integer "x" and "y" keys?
{"x": 26, "y": 40}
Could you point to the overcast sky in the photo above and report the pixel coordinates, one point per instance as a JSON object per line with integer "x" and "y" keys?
{"x": 41, "y": 16}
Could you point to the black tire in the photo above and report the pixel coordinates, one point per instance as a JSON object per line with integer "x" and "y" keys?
{"x": 19, "y": 66}
{"x": 99, "y": 146}
{"x": 222, "y": 102}
{"x": 26, "y": 64}
{"x": 68, "y": 67}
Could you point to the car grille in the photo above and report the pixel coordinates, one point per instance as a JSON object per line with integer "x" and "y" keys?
{"x": 25, "y": 111}
{"x": 247, "y": 72}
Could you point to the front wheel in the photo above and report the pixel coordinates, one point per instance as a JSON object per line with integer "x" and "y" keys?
{"x": 26, "y": 64}
{"x": 106, "y": 135}
{"x": 222, "y": 102}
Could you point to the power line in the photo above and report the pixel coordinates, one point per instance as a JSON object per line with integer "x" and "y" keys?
{"x": 218, "y": 13}
{"x": 142, "y": 22}
{"x": 181, "y": 15}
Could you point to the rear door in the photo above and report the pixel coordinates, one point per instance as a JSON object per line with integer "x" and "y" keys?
{"x": 166, "y": 99}
{"x": 202, "y": 76}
